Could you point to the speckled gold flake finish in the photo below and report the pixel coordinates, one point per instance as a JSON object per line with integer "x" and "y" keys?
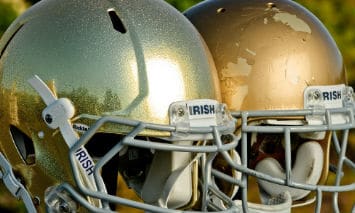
{"x": 267, "y": 53}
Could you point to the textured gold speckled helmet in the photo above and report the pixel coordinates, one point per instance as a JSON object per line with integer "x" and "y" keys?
{"x": 283, "y": 75}
{"x": 90, "y": 89}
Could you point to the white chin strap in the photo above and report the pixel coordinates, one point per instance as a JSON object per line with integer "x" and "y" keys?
{"x": 307, "y": 169}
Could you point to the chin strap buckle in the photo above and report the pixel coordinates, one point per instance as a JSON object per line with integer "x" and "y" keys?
{"x": 14, "y": 186}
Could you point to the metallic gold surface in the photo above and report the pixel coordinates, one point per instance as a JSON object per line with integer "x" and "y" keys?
{"x": 266, "y": 53}
{"x": 74, "y": 47}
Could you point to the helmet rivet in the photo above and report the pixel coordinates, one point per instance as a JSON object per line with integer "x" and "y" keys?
{"x": 316, "y": 95}
{"x": 48, "y": 118}
{"x": 41, "y": 134}
{"x": 36, "y": 201}
{"x": 349, "y": 95}
{"x": 64, "y": 207}
{"x": 180, "y": 112}
{"x": 223, "y": 109}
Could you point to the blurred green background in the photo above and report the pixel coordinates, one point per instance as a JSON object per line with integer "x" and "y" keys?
{"x": 337, "y": 15}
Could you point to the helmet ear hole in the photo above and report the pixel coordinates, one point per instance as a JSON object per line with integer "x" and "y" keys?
{"x": 23, "y": 144}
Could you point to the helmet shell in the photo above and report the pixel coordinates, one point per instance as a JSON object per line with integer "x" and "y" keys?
{"x": 267, "y": 52}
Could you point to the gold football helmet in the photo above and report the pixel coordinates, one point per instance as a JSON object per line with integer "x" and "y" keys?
{"x": 283, "y": 75}
{"x": 93, "y": 89}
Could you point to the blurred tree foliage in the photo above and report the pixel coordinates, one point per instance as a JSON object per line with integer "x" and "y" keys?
{"x": 7, "y": 15}
{"x": 182, "y": 5}
{"x": 339, "y": 18}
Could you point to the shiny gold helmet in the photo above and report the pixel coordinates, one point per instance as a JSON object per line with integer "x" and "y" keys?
{"x": 283, "y": 75}
{"x": 93, "y": 89}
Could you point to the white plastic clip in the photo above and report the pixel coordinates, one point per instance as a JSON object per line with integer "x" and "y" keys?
{"x": 327, "y": 98}
{"x": 57, "y": 114}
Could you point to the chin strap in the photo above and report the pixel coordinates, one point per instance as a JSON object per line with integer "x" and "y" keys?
{"x": 307, "y": 169}
{"x": 171, "y": 187}
{"x": 14, "y": 186}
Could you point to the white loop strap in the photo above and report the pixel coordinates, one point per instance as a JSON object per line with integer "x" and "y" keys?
{"x": 307, "y": 169}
